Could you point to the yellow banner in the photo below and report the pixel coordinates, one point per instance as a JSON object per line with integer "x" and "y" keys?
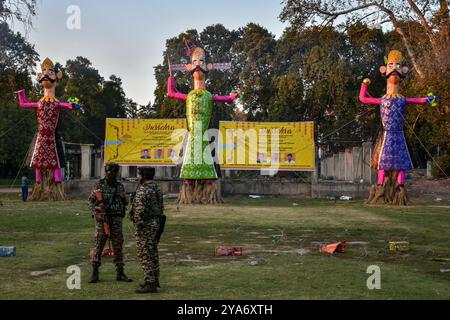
{"x": 287, "y": 146}
{"x": 154, "y": 142}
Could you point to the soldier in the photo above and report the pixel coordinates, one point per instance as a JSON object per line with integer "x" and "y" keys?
{"x": 107, "y": 203}
{"x": 148, "y": 218}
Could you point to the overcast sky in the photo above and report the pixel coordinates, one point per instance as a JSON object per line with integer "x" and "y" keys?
{"x": 127, "y": 38}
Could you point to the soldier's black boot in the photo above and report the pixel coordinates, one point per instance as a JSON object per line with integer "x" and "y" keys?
{"x": 157, "y": 284}
{"x": 94, "y": 278}
{"x": 121, "y": 275}
{"x": 151, "y": 287}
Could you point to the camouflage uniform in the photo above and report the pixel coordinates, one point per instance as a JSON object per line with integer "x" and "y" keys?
{"x": 147, "y": 208}
{"x": 114, "y": 208}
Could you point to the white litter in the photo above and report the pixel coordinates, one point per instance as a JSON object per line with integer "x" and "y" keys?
{"x": 346, "y": 198}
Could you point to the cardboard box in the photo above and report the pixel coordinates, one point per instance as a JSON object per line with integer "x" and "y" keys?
{"x": 399, "y": 246}
{"x": 7, "y": 251}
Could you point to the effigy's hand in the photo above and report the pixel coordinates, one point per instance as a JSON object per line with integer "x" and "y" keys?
{"x": 432, "y": 100}
{"x": 367, "y": 82}
{"x": 236, "y": 94}
{"x": 75, "y": 103}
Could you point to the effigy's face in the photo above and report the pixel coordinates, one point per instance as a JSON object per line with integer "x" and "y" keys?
{"x": 394, "y": 72}
{"x": 47, "y": 78}
{"x": 198, "y": 66}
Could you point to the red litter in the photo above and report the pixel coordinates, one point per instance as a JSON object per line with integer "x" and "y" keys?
{"x": 229, "y": 251}
{"x": 334, "y": 247}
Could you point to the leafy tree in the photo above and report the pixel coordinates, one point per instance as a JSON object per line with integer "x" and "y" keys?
{"x": 255, "y": 52}
{"x": 431, "y": 15}
{"x": 20, "y": 10}
{"x": 17, "y": 126}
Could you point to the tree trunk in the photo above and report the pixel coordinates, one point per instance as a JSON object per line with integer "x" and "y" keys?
{"x": 389, "y": 193}
{"x": 200, "y": 192}
{"x": 47, "y": 190}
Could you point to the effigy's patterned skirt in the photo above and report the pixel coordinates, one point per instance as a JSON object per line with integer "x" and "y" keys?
{"x": 394, "y": 153}
{"x": 45, "y": 154}
{"x": 198, "y": 163}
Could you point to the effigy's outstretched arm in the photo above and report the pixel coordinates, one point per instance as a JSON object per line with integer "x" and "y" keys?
{"x": 67, "y": 105}
{"x": 172, "y": 91}
{"x": 23, "y": 102}
{"x": 226, "y": 99}
{"x": 364, "y": 96}
{"x": 431, "y": 99}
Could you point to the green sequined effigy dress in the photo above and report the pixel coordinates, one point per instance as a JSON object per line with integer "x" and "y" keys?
{"x": 198, "y": 163}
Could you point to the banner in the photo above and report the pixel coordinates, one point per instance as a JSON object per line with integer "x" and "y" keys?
{"x": 153, "y": 142}
{"x": 286, "y": 146}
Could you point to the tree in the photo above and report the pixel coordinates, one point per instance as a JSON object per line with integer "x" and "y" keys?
{"x": 433, "y": 15}
{"x": 20, "y": 10}
{"x": 255, "y": 52}
{"x": 17, "y": 126}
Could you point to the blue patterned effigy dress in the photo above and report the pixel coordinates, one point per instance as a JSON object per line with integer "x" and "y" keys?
{"x": 394, "y": 154}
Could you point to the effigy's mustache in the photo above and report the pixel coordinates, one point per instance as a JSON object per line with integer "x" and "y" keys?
{"x": 401, "y": 75}
{"x": 47, "y": 78}
{"x": 198, "y": 68}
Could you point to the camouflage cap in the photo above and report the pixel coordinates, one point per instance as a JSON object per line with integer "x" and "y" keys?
{"x": 111, "y": 166}
{"x": 146, "y": 171}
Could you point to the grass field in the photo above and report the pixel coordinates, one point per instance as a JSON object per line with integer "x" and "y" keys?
{"x": 282, "y": 237}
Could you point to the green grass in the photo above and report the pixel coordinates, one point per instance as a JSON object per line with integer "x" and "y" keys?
{"x": 271, "y": 230}
{"x": 10, "y": 183}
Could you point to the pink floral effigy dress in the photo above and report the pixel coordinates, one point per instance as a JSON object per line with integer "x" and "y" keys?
{"x": 45, "y": 154}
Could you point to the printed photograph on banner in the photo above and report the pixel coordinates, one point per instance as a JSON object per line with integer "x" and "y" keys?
{"x": 155, "y": 142}
{"x": 259, "y": 145}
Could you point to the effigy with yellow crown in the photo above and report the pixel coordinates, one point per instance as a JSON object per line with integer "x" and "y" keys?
{"x": 47, "y": 157}
{"x": 199, "y": 172}
{"x": 391, "y": 157}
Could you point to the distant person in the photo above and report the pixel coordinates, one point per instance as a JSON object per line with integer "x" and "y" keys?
{"x": 25, "y": 184}
{"x": 145, "y": 154}
{"x": 289, "y": 159}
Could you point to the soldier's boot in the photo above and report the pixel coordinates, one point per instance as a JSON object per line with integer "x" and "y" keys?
{"x": 94, "y": 278}
{"x": 121, "y": 275}
{"x": 151, "y": 287}
{"x": 144, "y": 284}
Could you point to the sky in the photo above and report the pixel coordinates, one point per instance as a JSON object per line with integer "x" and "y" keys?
{"x": 127, "y": 38}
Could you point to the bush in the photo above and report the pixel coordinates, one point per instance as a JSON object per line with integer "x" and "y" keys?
{"x": 442, "y": 163}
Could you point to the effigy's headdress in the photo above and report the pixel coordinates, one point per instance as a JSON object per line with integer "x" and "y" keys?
{"x": 394, "y": 56}
{"x": 190, "y": 47}
{"x": 48, "y": 64}
{"x": 194, "y": 51}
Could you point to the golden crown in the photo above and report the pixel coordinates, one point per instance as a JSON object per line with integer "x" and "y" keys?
{"x": 395, "y": 56}
{"x": 47, "y": 64}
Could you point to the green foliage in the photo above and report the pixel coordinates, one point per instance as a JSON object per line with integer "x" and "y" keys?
{"x": 424, "y": 41}
{"x": 99, "y": 99}
{"x": 441, "y": 166}
{"x": 17, "y": 126}
{"x": 255, "y": 52}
